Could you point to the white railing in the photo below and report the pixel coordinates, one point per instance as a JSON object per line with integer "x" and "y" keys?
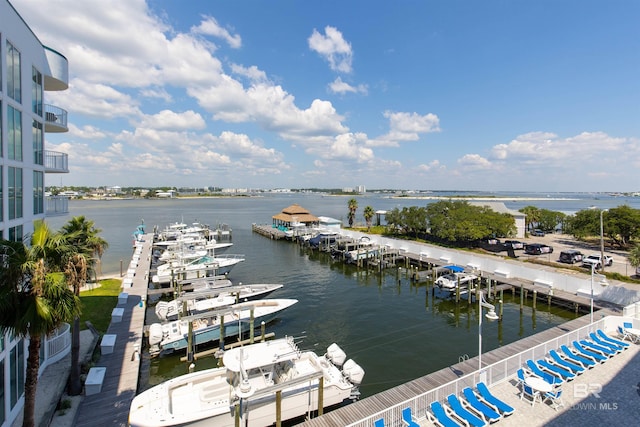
{"x": 491, "y": 375}
{"x": 58, "y": 345}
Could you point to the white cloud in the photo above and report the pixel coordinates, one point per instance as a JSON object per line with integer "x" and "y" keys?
{"x": 406, "y": 127}
{"x": 339, "y": 86}
{"x": 333, "y": 48}
{"x": 167, "y": 119}
{"x": 432, "y": 166}
{"x": 209, "y": 26}
{"x": 474, "y": 161}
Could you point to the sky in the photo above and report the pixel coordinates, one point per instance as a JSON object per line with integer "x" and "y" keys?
{"x": 494, "y": 95}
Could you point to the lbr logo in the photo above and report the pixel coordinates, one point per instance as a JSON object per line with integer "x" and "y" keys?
{"x": 583, "y": 390}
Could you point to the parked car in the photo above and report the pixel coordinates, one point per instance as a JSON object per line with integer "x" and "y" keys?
{"x": 570, "y": 256}
{"x": 514, "y": 244}
{"x": 537, "y": 232}
{"x": 538, "y": 249}
{"x": 594, "y": 260}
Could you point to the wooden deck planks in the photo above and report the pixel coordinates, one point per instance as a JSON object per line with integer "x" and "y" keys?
{"x": 110, "y": 407}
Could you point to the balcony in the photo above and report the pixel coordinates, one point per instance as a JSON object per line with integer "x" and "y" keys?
{"x": 57, "y": 205}
{"x": 57, "y": 77}
{"x": 55, "y": 119}
{"x": 55, "y": 162}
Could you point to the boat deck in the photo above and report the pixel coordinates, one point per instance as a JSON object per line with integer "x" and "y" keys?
{"x": 110, "y": 407}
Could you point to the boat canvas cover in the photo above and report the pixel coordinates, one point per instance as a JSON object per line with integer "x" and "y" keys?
{"x": 454, "y": 268}
{"x": 260, "y": 354}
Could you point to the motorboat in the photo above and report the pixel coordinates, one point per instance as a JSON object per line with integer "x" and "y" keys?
{"x": 245, "y": 390}
{"x": 237, "y": 319}
{"x": 450, "y": 281}
{"x": 198, "y": 302}
{"x": 205, "y": 266}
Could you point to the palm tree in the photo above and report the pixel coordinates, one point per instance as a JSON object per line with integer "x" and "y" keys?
{"x": 83, "y": 235}
{"x": 368, "y": 216}
{"x": 353, "y": 207}
{"x": 634, "y": 257}
{"x": 33, "y": 301}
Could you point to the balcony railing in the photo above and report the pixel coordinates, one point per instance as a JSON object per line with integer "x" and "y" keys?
{"x": 56, "y": 162}
{"x": 58, "y": 345}
{"x": 57, "y": 205}
{"x": 55, "y": 119}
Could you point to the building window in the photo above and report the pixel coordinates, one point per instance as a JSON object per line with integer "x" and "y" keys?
{"x": 36, "y": 89}
{"x": 15, "y": 233}
{"x": 1, "y": 200}
{"x": 13, "y": 73}
{"x": 15, "y": 192}
{"x": 38, "y": 151}
{"x": 14, "y": 131}
{"x": 2, "y": 411}
{"x": 38, "y": 192}
{"x": 1, "y": 121}
{"x": 16, "y": 372}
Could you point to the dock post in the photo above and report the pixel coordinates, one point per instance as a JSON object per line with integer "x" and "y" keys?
{"x": 237, "y": 415}
{"x": 469, "y": 296}
{"x": 251, "y": 326}
{"x": 501, "y": 303}
{"x": 320, "y": 395}
{"x": 190, "y": 342}
{"x": 535, "y": 298}
{"x": 521, "y": 297}
{"x": 279, "y": 408}
{"x": 489, "y": 288}
{"x": 221, "y": 344}
{"x": 458, "y": 292}
{"x": 262, "y": 329}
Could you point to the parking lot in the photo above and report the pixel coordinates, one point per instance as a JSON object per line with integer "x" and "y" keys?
{"x": 561, "y": 242}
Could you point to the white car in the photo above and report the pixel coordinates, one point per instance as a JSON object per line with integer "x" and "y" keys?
{"x": 594, "y": 260}
{"x": 450, "y": 280}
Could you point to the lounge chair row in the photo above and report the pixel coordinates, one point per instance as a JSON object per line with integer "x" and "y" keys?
{"x": 626, "y": 332}
{"x": 565, "y": 364}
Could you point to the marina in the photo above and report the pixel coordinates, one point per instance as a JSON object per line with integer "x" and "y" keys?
{"x": 392, "y": 284}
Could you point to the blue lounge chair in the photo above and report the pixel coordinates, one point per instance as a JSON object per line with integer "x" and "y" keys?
{"x": 463, "y": 413}
{"x": 554, "y": 398}
{"x": 624, "y": 335}
{"x": 489, "y": 413}
{"x": 606, "y": 337}
{"x": 596, "y": 339}
{"x": 596, "y": 357}
{"x": 441, "y": 416}
{"x": 525, "y": 390}
{"x": 486, "y": 396}
{"x": 607, "y": 352}
{"x": 556, "y": 370}
{"x": 535, "y": 369}
{"x": 379, "y": 423}
{"x": 558, "y": 360}
{"x": 407, "y": 418}
{"x": 578, "y": 358}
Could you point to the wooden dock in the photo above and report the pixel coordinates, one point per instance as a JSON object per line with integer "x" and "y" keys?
{"x": 379, "y": 402}
{"x": 110, "y": 406}
{"x": 268, "y": 231}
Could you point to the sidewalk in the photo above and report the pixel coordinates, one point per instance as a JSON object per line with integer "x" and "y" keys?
{"x": 52, "y": 384}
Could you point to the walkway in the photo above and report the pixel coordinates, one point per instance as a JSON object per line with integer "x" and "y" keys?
{"x": 111, "y": 405}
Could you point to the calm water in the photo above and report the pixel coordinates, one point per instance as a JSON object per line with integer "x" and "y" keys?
{"x": 394, "y": 330}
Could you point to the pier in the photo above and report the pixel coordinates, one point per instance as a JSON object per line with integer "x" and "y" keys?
{"x": 107, "y": 400}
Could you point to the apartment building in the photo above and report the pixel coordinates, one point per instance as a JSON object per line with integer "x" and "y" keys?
{"x": 27, "y": 71}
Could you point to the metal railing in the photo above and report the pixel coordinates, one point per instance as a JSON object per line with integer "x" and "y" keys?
{"x": 55, "y": 116}
{"x": 56, "y": 162}
{"x": 491, "y": 375}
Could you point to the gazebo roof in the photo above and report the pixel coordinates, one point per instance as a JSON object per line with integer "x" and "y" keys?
{"x": 297, "y": 213}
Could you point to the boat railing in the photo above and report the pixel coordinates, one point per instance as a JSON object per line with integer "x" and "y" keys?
{"x": 493, "y": 374}
{"x": 231, "y": 256}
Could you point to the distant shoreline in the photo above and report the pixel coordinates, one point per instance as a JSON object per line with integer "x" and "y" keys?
{"x": 483, "y": 198}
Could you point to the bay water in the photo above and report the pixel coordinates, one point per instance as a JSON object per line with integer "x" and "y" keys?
{"x": 395, "y": 330}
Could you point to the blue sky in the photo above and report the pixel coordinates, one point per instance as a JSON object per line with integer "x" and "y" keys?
{"x": 434, "y": 95}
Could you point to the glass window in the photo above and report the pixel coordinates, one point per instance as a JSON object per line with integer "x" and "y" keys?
{"x": 36, "y": 89}
{"x": 15, "y": 235}
{"x": 38, "y": 151}
{"x": 38, "y": 192}
{"x": 2, "y": 413}
{"x": 14, "y": 122}
{"x": 13, "y": 73}
{"x": 15, "y": 192}
{"x": 1, "y": 198}
{"x": 1, "y": 117}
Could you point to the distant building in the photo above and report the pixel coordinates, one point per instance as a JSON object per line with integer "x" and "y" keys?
{"x": 361, "y": 189}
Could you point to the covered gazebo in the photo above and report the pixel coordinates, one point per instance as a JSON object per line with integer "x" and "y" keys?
{"x": 294, "y": 215}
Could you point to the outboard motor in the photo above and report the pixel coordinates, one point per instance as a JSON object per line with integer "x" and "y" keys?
{"x": 155, "y": 334}
{"x": 353, "y": 372}
{"x": 336, "y": 355}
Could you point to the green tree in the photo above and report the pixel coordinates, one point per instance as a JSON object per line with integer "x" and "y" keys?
{"x": 84, "y": 237}
{"x": 634, "y": 256}
{"x": 353, "y": 207}
{"x": 584, "y": 223}
{"x": 622, "y": 224}
{"x": 549, "y": 220}
{"x": 532, "y": 216}
{"x": 34, "y": 301}
{"x": 459, "y": 221}
{"x": 368, "y": 214}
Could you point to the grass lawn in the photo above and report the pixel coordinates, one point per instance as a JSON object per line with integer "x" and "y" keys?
{"x": 98, "y": 303}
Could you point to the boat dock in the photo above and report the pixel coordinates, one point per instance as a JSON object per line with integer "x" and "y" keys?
{"x": 113, "y": 381}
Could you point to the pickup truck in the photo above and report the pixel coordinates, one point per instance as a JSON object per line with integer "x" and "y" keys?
{"x": 592, "y": 260}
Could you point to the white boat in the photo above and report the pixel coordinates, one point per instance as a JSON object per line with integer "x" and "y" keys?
{"x": 205, "y": 266}
{"x": 170, "y": 336}
{"x": 451, "y": 280}
{"x": 248, "y": 383}
{"x": 198, "y": 302}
